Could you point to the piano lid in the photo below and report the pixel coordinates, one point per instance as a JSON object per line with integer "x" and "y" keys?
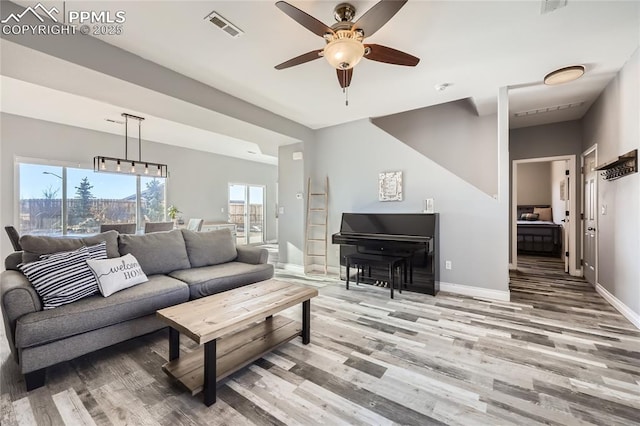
{"x": 410, "y": 224}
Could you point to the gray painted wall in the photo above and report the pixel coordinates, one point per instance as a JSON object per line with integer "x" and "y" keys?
{"x": 198, "y": 183}
{"x": 291, "y": 222}
{"x": 534, "y": 183}
{"x": 549, "y": 140}
{"x": 546, "y": 141}
{"x": 472, "y": 233}
{"x": 613, "y": 122}
{"x": 454, "y": 136}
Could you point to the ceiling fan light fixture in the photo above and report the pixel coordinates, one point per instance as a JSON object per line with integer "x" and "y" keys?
{"x": 564, "y": 75}
{"x": 344, "y": 53}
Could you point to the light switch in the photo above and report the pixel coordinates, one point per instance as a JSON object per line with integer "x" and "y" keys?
{"x": 604, "y": 209}
{"x": 281, "y": 210}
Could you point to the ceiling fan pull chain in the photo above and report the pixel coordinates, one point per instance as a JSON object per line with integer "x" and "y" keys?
{"x": 345, "y": 89}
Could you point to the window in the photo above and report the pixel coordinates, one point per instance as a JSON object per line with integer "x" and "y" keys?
{"x": 246, "y": 210}
{"x": 67, "y": 200}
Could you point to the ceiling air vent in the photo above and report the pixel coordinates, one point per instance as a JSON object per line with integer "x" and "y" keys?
{"x": 219, "y": 21}
{"x": 548, "y": 109}
{"x": 549, "y": 6}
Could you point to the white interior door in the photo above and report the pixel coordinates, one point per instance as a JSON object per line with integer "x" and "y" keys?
{"x": 590, "y": 207}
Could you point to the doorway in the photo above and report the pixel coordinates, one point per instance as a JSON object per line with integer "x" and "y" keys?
{"x": 557, "y": 239}
{"x": 246, "y": 210}
{"x": 590, "y": 214}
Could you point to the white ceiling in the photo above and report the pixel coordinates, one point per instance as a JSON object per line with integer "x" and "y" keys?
{"x": 475, "y": 46}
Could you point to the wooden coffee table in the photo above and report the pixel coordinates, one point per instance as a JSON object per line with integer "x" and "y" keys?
{"x": 235, "y": 328}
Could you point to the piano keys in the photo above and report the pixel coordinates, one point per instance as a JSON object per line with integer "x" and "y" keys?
{"x": 409, "y": 235}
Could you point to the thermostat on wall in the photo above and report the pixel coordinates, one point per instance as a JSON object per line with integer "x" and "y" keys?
{"x": 428, "y": 205}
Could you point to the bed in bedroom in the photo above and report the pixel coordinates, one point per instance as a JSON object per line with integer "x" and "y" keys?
{"x": 537, "y": 233}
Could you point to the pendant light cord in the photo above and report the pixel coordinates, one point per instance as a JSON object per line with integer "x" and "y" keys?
{"x": 126, "y": 137}
{"x": 139, "y": 140}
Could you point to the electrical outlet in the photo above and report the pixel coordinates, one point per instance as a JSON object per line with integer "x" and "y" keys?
{"x": 447, "y": 264}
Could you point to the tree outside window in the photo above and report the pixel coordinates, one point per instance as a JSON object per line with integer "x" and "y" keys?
{"x": 66, "y": 200}
{"x": 153, "y": 201}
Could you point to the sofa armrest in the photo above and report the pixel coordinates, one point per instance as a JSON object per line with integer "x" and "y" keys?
{"x": 18, "y": 298}
{"x": 12, "y": 261}
{"x": 252, "y": 255}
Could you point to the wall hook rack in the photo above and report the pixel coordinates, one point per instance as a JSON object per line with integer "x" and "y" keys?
{"x": 622, "y": 166}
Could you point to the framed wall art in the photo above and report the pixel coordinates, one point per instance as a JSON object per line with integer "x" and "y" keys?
{"x": 390, "y": 186}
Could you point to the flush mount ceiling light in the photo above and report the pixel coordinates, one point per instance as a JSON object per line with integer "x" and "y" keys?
{"x": 564, "y": 75}
{"x": 125, "y": 165}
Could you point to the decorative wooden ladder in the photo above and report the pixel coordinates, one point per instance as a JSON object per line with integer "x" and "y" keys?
{"x": 316, "y": 227}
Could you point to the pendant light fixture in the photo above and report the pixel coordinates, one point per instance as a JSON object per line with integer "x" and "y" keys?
{"x": 125, "y": 165}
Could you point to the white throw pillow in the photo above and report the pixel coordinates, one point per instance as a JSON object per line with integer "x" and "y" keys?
{"x": 117, "y": 274}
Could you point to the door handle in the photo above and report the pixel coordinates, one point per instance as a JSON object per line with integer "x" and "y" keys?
{"x": 591, "y": 229}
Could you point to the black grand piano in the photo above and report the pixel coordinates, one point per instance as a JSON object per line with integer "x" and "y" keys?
{"x": 394, "y": 234}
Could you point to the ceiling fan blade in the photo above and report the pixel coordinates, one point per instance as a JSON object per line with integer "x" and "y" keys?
{"x": 390, "y": 56}
{"x": 378, "y": 15}
{"x": 344, "y": 77}
{"x": 304, "y": 19}
{"x": 305, "y": 57}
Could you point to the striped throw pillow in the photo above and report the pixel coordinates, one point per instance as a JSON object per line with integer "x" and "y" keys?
{"x": 98, "y": 252}
{"x": 63, "y": 277}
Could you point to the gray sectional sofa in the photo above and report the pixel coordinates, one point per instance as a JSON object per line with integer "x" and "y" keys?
{"x": 181, "y": 265}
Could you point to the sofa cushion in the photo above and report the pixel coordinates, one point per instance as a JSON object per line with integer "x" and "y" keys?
{"x": 209, "y": 280}
{"x": 34, "y": 246}
{"x": 209, "y": 248}
{"x": 62, "y": 277}
{"x": 157, "y": 252}
{"x": 95, "y": 312}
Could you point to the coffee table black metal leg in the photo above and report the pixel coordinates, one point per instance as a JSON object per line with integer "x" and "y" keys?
{"x": 306, "y": 322}
{"x": 174, "y": 344}
{"x": 391, "y": 278}
{"x": 210, "y": 373}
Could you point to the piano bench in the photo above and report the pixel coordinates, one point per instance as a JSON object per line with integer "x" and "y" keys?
{"x": 361, "y": 260}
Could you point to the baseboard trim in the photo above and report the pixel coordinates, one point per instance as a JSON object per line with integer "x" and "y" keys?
{"x": 574, "y": 272}
{"x": 620, "y": 307}
{"x": 298, "y": 269}
{"x": 331, "y": 270}
{"x": 485, "y": 293}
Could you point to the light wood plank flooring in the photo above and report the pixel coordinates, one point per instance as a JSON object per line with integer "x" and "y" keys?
{"x": 557, "y": 354}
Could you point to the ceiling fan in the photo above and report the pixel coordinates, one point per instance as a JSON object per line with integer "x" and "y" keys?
{"x": 344, "y": 39}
